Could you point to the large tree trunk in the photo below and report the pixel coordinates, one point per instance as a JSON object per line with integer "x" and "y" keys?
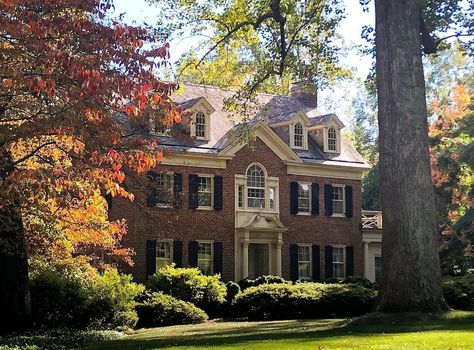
{"x": 411, "y": 278}
{"x": 15, "y": 314}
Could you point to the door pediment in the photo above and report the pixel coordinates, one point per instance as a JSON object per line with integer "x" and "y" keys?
{"x": 262, "y": 222}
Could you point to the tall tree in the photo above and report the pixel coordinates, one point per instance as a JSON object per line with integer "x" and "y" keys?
{"x": 411, "y": 278}
{"x": 71, "y": 77}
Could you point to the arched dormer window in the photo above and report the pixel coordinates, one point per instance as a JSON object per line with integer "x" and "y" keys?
{"x": 298, "y": 135}
{"x": 255, "y": 187}
{"x": 332, "y": 139}
{"x": 200, "y": 125}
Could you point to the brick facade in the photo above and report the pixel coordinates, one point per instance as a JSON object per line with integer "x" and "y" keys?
{"x": 184, "y": 224}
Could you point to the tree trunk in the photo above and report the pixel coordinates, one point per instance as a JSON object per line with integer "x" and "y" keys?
{"x": 411, "y": 278}
{"x": 15, "y": 307}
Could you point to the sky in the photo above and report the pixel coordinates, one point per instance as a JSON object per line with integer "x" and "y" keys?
{"x": 337, "y": 100}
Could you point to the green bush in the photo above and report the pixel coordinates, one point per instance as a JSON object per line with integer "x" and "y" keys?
{"x": 232, "y": 290}
{"x": 164, "y": 310}
{"x": 303, "y": 300}
{"x": 266, "y": 279}
{"x": 72, "y": 294}
{"x": 364, "y": 282}
{"x": 459, "y": 292}
{"x": 189, "y": 284}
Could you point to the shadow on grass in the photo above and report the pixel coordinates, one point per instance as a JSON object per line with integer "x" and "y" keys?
{"x": 222, "y": 334}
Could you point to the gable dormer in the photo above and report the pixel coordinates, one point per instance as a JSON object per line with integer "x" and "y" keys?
{"x": 326, "y": 131}
{"x": 298, "y": 130}
{"x": 199, "y": 112}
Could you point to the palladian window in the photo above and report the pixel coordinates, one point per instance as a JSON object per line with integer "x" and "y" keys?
{"x": 255, "y": 187}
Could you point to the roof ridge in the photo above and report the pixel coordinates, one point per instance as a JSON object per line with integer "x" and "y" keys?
{"x": 206, "y": 86}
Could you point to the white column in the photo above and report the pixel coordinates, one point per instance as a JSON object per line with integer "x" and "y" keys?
{"x": 245, "y": 258}
{"x": 278, "y": 257}
{"x": 366, "y": 260}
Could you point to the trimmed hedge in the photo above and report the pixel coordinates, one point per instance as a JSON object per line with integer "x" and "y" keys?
{"x": 164, "y": 310}
{"x": 189, "y": 284}
{"x": 72, "y": 294}
{"x": 459, "y": 292}
{"x": 304, "y": 300}
{"x": 266, "y": 279}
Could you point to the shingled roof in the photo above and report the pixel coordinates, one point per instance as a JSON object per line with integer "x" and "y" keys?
{"x": 270, "y": 109}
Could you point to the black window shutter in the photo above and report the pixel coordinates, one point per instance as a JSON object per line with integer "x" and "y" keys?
{"x": 316, "y": 262}
{"x": 193, "y": 191}
{"x": 315, "y": 199}
{"x": 177, "y": 189}
{"x": 293, "y": 197}
{"x": 218, "y": 192}
{"x": 349, "y": 201}
{"x": 328, "y": 261}
{"x": 349, "y": 261}
{"x": 293, "y": 262}
{"x": 218, "y": 257}
{"x": 178, "y": 253}
{"x": 193, "y": 253}
{"x": 150, "y": 262}
{"x": 328, "y": 200}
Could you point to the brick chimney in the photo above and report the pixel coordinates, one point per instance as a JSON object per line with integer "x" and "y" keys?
{"x": 306, "y": 92}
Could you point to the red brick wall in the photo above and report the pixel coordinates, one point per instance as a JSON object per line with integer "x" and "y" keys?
{"x": 193, "y": 224}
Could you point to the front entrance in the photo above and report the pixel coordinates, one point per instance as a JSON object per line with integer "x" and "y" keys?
{"x": 259, "y": 259}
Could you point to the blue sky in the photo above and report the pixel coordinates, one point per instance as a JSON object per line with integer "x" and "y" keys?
{"x": 337, "y": 100}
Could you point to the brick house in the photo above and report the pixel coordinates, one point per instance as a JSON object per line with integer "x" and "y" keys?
{"x": 288, "y": 203}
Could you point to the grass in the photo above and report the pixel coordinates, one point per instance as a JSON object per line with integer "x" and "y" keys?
{"x": 452, "y": 331}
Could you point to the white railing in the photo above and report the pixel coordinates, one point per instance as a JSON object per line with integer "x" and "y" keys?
{"x": 371, "y": 219}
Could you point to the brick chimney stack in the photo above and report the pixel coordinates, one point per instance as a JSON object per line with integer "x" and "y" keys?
{"x": 306, "y": 92}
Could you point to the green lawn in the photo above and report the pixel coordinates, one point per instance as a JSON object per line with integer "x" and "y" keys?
{"x": 453, "y": 331}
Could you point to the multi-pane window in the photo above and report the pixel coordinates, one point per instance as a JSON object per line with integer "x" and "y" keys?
{"x": 205, "y": 191}
{"x": 303, "y": 197}
{"x": 164, "y": 186}
{"x": 298, "y": 135}
{"x": 378, "y": 268}
{"x": 255, "y": 187}
{"x": 271, "y": 194}
{"x": 338, "y": 262}
{"x": 163, "y": 254}
{"x": 304, "y": 261}
{"x": 241, "y": 196}
{"x": 338, "y": 199}
{"x": 205, "y": 258}
{"x": 200, "y": 125}
{"x": 332, "y": 139}
{"x": 161, "y": 129}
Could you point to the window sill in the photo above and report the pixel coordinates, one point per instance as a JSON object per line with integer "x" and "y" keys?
{"x": 304, "y": 213}
{"x": 338, "y": 215}
{"x": 205, "y": 208}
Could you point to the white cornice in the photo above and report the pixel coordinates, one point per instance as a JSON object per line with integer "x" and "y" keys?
{"x": 350, "y": 171}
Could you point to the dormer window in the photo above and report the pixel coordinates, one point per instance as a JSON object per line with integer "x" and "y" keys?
{"x": 200, "y": 124}
{"x": 298, "y": 136}
{"x": 332, "y": 139}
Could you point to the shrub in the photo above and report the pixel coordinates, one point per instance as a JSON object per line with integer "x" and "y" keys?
{"x": 73, "y": 294}
{"x": 232, "y": 290}
{"x": 189, "y": 284}
{"x": 164, "y": 310}
{"x": 459, "y": 292}
{"x": 303, "y": 300}
{"x": 267, "y": 279}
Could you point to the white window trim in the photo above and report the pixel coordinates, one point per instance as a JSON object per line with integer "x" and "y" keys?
{"x": 270, "y": 182}
{"x": 310, "y": 190}
{"x": 170, "y": 241}
{"x": 343, "y": 214}
{"x": 211, "y": 207}
{"x": 310, "y": 261}
{"x": 338, "y": 139}
{"x": 207, "y": 125}
{"x": 212, "y": 254}
{"x": 344, "y": 263}
{"x": 169, "y": 205}
{"x": 292, "y": 136}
